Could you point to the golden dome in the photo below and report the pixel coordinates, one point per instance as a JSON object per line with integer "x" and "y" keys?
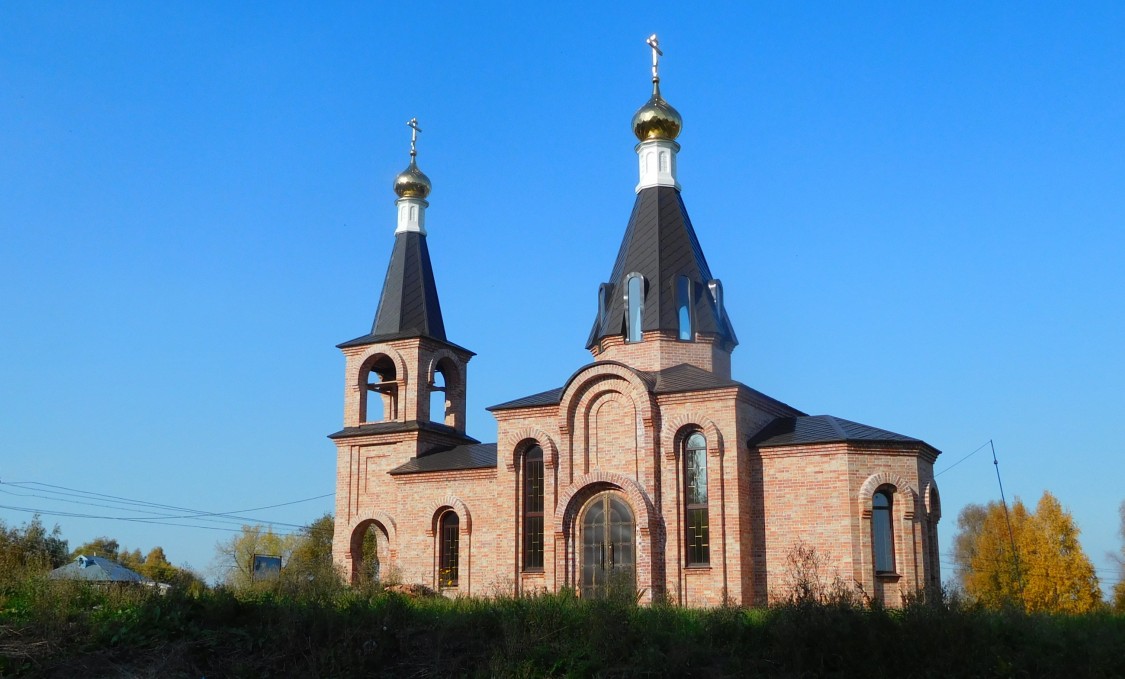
{"x": 412, "y": 182}
{"x": 657, "y": 119}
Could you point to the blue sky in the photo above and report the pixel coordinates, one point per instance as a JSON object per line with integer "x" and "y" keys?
{"x": 916, "y": 212}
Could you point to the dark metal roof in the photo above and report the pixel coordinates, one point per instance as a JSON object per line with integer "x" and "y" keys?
{"x": 809, "y": 429}
{"x": 661, "y": 245}
{"x": 96, "y": 569}
{"x": 396, "y": 427}
{"x": 471, "y": 456}
{"x": 680, "y": 378}
{"x": 373, "y": 339}
{"x": 543, "y": 398}
{"x": 408, "y": 306}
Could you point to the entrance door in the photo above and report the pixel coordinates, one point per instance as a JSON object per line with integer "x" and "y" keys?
{"x": 608, "y": 547}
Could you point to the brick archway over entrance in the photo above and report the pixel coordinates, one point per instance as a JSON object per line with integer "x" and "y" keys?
{"x": 650, "y": 530}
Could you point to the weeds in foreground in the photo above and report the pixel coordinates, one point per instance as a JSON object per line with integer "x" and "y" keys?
{"x": 61, "y": 629}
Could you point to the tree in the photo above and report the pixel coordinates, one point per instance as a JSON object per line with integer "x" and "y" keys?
{"x": 312, "y": 551}
{"x": 1047, "y": 571}
{"x": 234, "y": 559}
{"x": 102, "y": 546}
{"x": 31, "y": 547}
{"x": 1119, "y": 588}
{"x": 157, "y": 567}
{"x": 310, "y": 566}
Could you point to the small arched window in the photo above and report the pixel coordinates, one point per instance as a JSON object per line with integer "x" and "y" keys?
{"x": 882, "y": 531}
{"x": 683, "y": 306}
{"x": 533, "y": 509}
{"x": 379, "y": 397}
{"x": 635, "y": 306}
{"x": 696, "y": 528}
{"x": 449, "y": 537}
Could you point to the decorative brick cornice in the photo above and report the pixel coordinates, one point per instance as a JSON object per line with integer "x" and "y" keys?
{"x": 520, "y": 440}
{"x": 909, "y": 496}
{"x": 365, "y": 358}
{"x": 382, "y": 518}
{"x": 458, "y": 363}
{"x": 641, "y": 503}
{"x": 932, "y": 501}
{"x": 677, "y": 428}
{"x": 457, "y": 505}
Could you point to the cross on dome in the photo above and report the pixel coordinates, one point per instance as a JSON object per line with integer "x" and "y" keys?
{"x": 414, "y": 130}
{"x": 654, "y": 43}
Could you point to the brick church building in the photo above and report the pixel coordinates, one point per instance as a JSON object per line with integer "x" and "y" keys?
{"x": 650, "y": 467}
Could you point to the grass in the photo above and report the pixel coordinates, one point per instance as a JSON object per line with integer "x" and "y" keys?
{"x": 67, "y": 629}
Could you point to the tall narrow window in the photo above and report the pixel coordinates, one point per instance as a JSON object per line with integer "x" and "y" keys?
{"x": 683, "y": 306}
{"x": 533, "y": 509}
{"x": 635, "y": 296}
{"x": 448, "y": 543}
{"x": 882, "y": 535}
{"x": 697, "y": 533}
{"x": 603, "y": 302}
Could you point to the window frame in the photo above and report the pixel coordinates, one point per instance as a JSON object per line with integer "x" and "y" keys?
{"x": 697, "y": 538}
{"x": 684, "y": 316}
{"x": 449, "y": 550}
{"x": 533, "y": 471}
{"x": 883, "y": 532}
{"x": 634, "y": 332}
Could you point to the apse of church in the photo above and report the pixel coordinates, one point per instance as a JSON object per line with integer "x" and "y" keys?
{"x": 649, "y": 469}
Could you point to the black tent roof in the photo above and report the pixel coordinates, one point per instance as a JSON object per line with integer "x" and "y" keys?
{"x": 408, "y": 306}
{"x": 661, "y": 245}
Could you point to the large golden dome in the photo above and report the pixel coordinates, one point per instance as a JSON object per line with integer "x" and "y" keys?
{"x": 412, "y": 182}
{"x": 657, "y": 119}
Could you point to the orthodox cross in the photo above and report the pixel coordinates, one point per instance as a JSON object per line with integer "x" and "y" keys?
{"x": 414, "y": 130}
{"x": 654, "y": 43}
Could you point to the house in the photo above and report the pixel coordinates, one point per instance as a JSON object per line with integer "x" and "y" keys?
{"x": 651, "y": 466}
{"x": 97, "y": 569}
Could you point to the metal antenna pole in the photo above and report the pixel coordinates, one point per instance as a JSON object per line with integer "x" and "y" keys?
{"x": 1007, "y": 518}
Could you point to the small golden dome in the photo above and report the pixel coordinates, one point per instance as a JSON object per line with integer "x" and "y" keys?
{"x": 412, "y": 182}
{"x": 657, "y": 119}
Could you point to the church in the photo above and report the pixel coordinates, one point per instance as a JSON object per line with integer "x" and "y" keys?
{"x": 651, "y": 468}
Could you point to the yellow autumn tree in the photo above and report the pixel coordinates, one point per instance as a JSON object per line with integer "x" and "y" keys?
{"x": 1119, "y": 588}
{"x": 1046, "y": 571}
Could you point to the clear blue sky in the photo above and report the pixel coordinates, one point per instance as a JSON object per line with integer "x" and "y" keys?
{"x": 916, "y": 212}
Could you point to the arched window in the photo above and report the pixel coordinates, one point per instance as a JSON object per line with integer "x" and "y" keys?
{"x": 449, "y": 537}
{"x": 533, "y": 509}
{"x": 696, "y": 528}
{"x": 683, "y": 306}
{"x": 635, "y": 304}
{"x": 882, "y": 532}
{"x": 379, "y": 397}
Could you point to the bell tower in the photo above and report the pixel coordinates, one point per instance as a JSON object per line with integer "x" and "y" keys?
{"x": 405, "y": 379}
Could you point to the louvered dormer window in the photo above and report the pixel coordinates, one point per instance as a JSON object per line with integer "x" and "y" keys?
{"x": 635, "y": 306}
{"x": 683, "y": 307}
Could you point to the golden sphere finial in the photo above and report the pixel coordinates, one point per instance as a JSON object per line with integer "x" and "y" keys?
{"x": 656, "y": 119}
{"x": 412, "y": 182}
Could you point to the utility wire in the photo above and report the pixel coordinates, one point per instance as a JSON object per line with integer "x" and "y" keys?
{"x": 193, "y": 513}
{"x": 982, "y": 446}
{"x": 159, "y": 518}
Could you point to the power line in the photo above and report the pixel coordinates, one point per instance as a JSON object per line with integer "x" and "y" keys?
{"x": 964, "y": 458}
{"x": 158, "y": 518}
{"x": 194, "y": 513}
